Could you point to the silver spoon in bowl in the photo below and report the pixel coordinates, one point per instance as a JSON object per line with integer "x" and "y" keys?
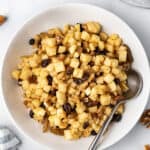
{"x": 135, "y": 84}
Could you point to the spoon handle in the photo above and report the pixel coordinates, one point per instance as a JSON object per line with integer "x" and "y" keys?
{"x": 98, "y": 139}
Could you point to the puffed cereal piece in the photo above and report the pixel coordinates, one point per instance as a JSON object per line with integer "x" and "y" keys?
{"x": 92, "y": 46}
{"x": 109, "y": 47}
{"x": 93, "y": 27}
{"x": 77, "y": 35}
{"x": 107, "y": 61}
{"x": 36, "y": 103}
{"x": 88, "y": 91}
{"x": 50, "y": 108}
{"x": 80, "y": 108}
{"x": 85, "y": 36}
{"x": 39, "y": 112}
{"x": 16, "y": 74}
{"x": 108, "y": 78}
{"x": 92, "y": 109}
{"x": 62, "y": 87}
{"x": 59, "y": 66}
{"x": 70, "y": 135}
{"x": 100, "y": 88}
{"x": 114, "y": 63}
{"x": 25, "y": 84}
{"x": 108, "y": 110}
{"x": 122, "y": 55}
{"x": 93, "y": 94}
{"x": 72, "y": 49}
{"x": 120, "y": 109}
{"x": 118, "y": 42}
{"x": 60, "y": 113}
{"x": 105, "y": 99}
{"x": 99, "y": 59}
{"x": 51, "y": 51}
{"x": 61, "y": 49}
{"x": 112, "y": 86}
{"x": 48, "y": 42}
{"x": 78, "y": 73}
{"x": 100, "y": 80}
{"x": 25, "y": 73}
{"x": 103, "y": 36}
{"x": 72, "y": 41}
{"x": 83, "y": 117}
{"x": 74, "y": 63}
{"x": 47, "y": 88}
{"x": 94, "y": 38}
{"x": 86, "y": 58}
{"x": 114, "y": 36}
{"x": 105, "y": 69}
{"x": 101, "y": 45}
{"x": 61, "y": 98}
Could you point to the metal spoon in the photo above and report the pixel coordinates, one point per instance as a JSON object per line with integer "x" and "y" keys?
{"x": 135, "y": 84}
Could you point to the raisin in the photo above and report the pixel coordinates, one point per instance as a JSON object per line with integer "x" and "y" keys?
{"x": 117, "y": 81}
{"x": 91, "y": 63}
{"x": 94, "y": 115}
{"x": 31, "y": 41}
{"x": 104, "y": 52}
{"x": 85, "y": 76}
{"x": 77, "y": 80}
{"x": 69, "y": 70}
{"x": 97, "y": 51}
{"x": 53, "y": 92}
{"x": 81, "y": 28}
{"x": 100, "y": 52}
{"x": 31, "y": 113}
{"x": 117, "y": 117}
{"x": 67, "y": 108}
{"x": 33, "y": 79}
{"x": 42, "y": 105}
{"x": 84, "y": 51}
{"x": 66, "y": 52}
{"x": 85, "y": 125}
{"x": 93, "y": 132}
{"x": 92, "y": 103}
{"x": 45, "y": 62}
{"x": 111, "y": 106}
{"x": 19, "y": 82}
{"x": 49, "y": 79}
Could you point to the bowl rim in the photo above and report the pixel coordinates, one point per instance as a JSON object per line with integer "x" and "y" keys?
{"x": 15, "y": 34}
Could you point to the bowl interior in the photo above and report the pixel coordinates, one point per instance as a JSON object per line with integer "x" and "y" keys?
{"x": 57, "y": 17}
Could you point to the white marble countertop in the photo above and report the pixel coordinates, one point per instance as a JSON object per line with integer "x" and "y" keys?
{"x": 20, "y": 10}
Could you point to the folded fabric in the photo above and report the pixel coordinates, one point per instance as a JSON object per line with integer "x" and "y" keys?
{"x": 8, "y": 140}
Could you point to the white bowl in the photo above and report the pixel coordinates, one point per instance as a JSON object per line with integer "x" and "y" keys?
{"x": 58, "y": 16}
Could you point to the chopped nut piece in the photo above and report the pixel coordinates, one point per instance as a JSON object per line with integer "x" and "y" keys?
{"x": 147, "y": 147}
{"x": 145, "y": 118}
{"x": 2, "y": 19}
{"x": 32, "y": 79}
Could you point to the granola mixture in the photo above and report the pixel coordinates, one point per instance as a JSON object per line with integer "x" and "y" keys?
{"x": 74, "y": 78}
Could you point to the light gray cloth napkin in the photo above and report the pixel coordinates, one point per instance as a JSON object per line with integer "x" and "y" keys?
{"x": 8, "y": 140}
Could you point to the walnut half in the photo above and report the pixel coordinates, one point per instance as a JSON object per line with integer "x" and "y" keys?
{"x": 147, "y": 147}
{"x": 2, "y": 19}
{"x": 145, "y": 118}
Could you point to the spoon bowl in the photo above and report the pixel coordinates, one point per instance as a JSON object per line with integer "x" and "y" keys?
{"x": 135, "y": 84}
